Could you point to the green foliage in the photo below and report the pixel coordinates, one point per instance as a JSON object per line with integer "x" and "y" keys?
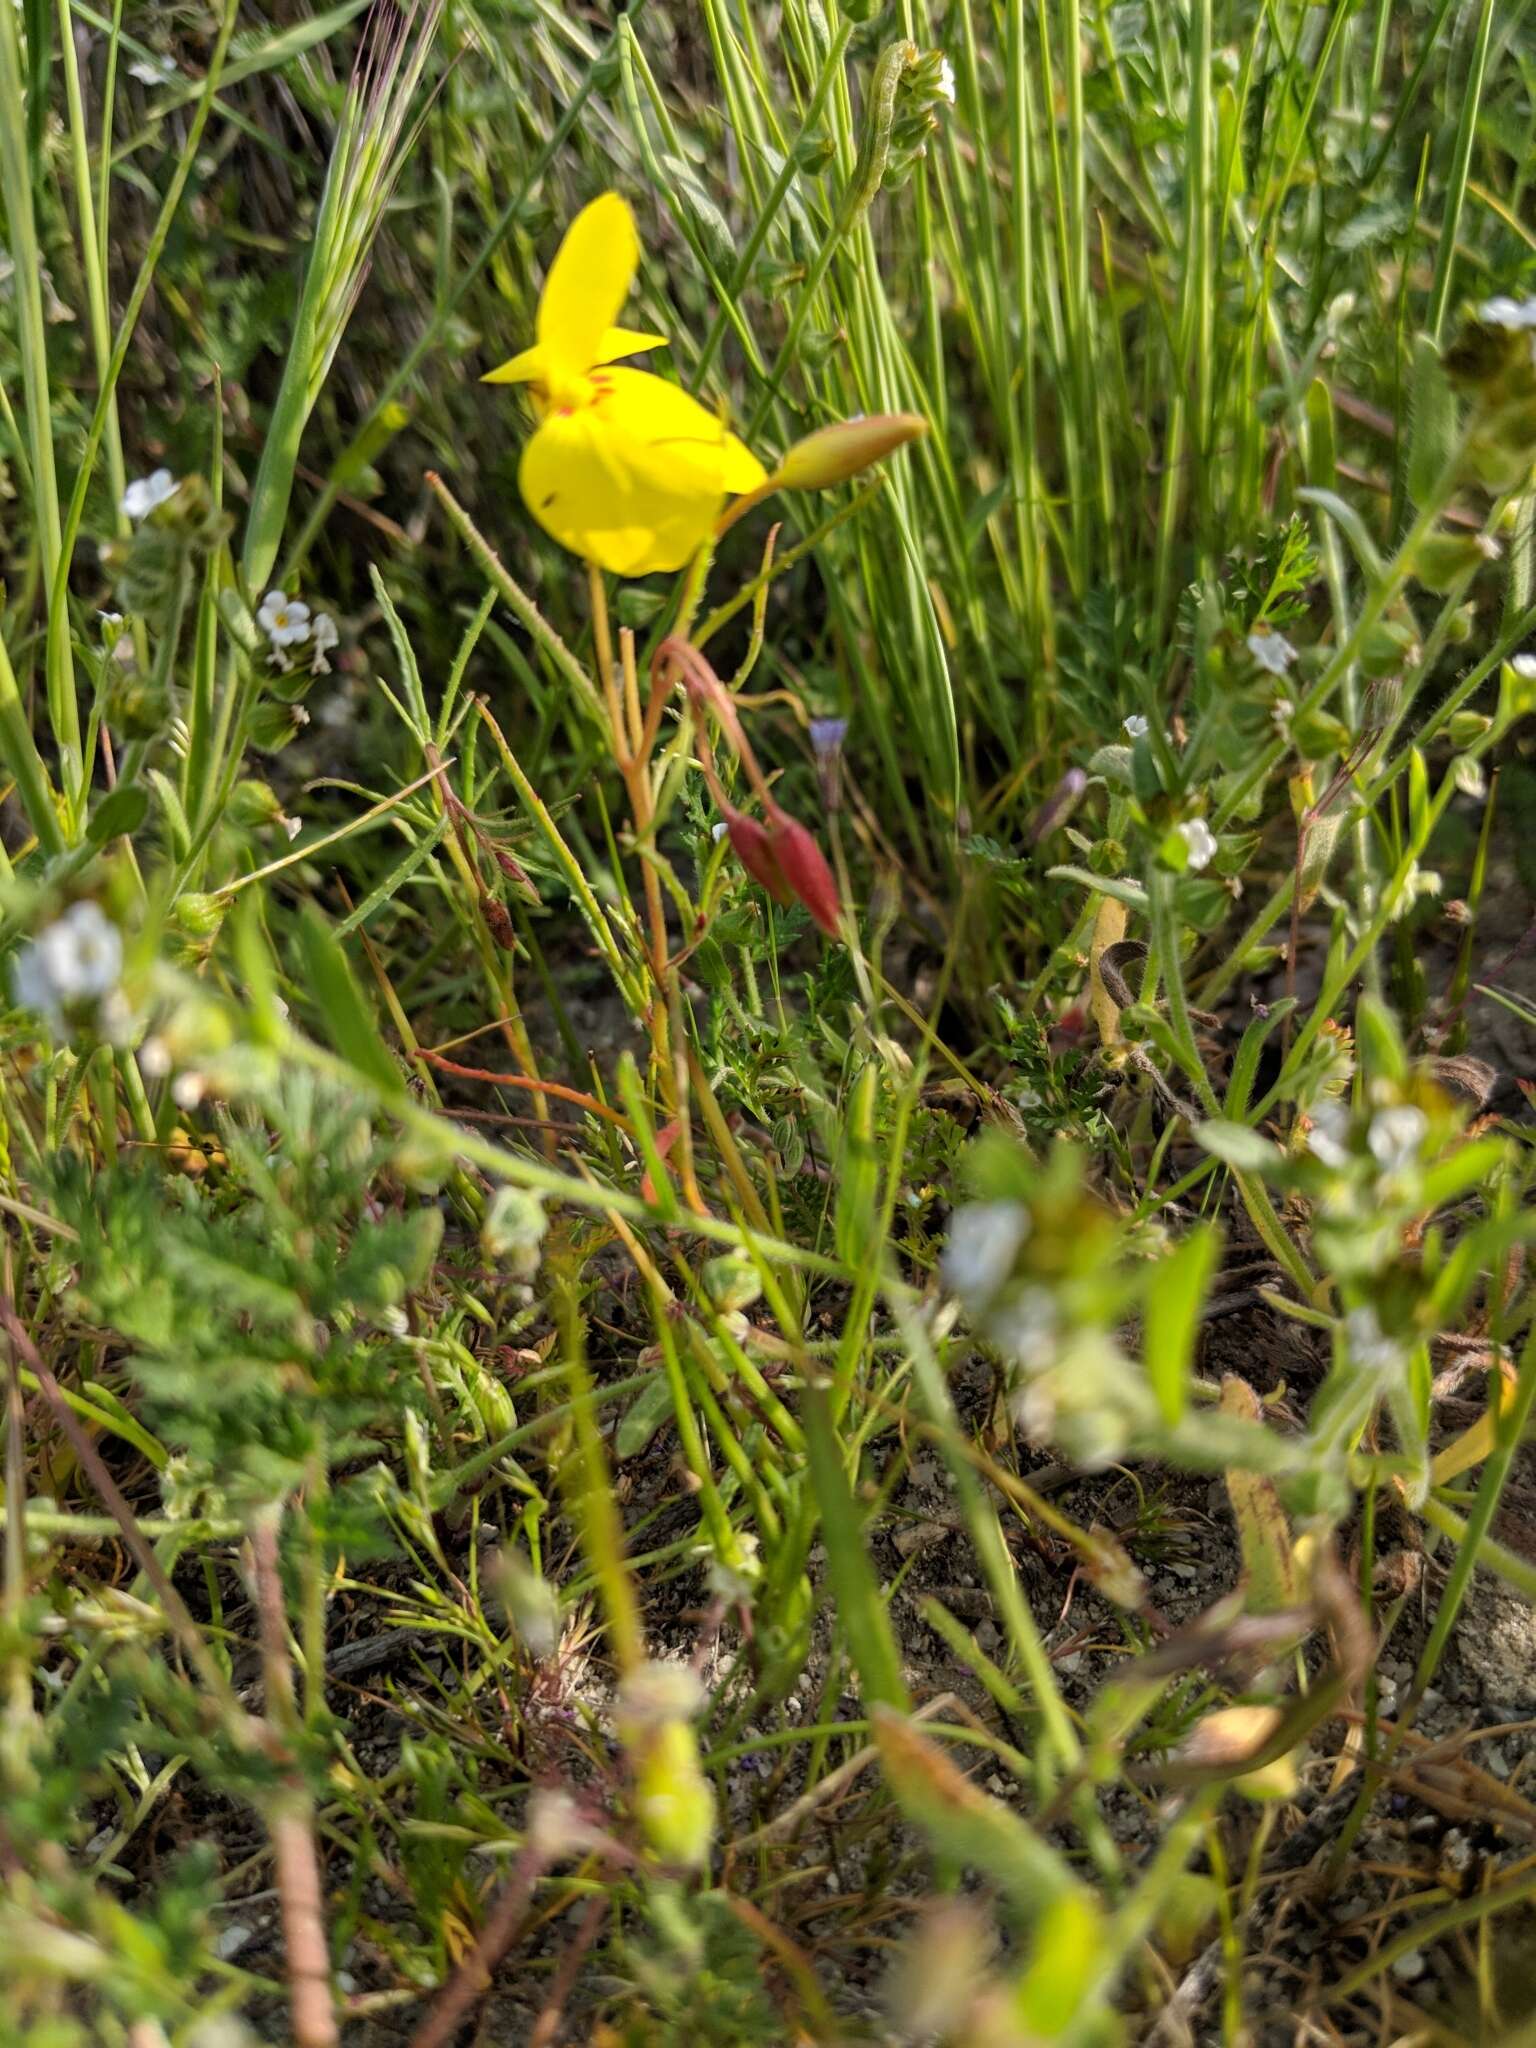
{"x": 471, "y": 1251}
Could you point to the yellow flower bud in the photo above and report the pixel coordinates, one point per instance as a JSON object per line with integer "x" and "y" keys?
{"x": 833, "y": 454}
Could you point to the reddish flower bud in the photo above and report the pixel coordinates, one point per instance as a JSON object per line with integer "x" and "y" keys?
{"x": 756, "y": 855}
{"x": 804, "y": 866}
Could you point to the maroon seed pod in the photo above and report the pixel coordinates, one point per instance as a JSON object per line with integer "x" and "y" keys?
{"x": 755, "y": 852}
{"x": 804, "y": 866}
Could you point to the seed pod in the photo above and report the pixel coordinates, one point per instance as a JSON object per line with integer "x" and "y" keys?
{"x": 804, "y": 867}
{"x": 754, "y": 850}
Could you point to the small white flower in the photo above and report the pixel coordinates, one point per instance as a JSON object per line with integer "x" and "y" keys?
{"x": 718, "y": 831}
{"x": 1136, "y": 726}
{"x": 188, "y": 1089}
{"x": 292, "y": 826}
{"x": 1369, "y": 1345}
{"x": 1200, "y": 840}
{"x": 984, "y": 1238}
{"x": 1513, "y": 313}
{"x": 1524, "y": 666}
{"x": 1027, "y": 1330}
{"x": 146, "y": 492}
{"x": 1271, "y": 651}
{"x": 284, "y": 619}
{"x": 1327, "y": 1139}
{"x": 110, "y": 621}
{"x": 76, "y": 959}
{"x": 153, "y": 70}
{"x": 1395, "y": 1136}
{"x": 83, "y": 951}
{"x": 323, "y": 636}
{"x": 946, "y": 84}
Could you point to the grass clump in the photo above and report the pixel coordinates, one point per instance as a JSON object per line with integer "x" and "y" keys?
{"x": 768, "y": 1281}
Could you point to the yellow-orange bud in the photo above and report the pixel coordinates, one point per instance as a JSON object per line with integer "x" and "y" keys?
{"x": 833, "y": 454}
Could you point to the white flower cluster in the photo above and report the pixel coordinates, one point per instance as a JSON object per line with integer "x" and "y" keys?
{"x": 74, "y": 961}
{"x": 287, "y": 623}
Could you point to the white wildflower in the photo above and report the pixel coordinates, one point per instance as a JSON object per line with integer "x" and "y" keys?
{"x": 153, "y": 70}
{"x": 1200, "y": 840}
{"x": 284, "y": 619}
{"x": 946, "y": 85}
{"x": 1368, "y": 1343}
{"x": 1327, "y": 1140}
{"x": 1524, "y": 666}
{"x": 323, "y": 637}
{"x": 1136, "y": 727}
{"x": 1505, "y": 312}
{"x": 984, "y": 1238}
{"x": 146, "y": 492}
{"x": 76, "y": 959}
{"x": 188, "y": 1089}
{"x": 154, "y": 1058}
{"x": 1272, "y": 651}
{"x": 1395, "y": 1136}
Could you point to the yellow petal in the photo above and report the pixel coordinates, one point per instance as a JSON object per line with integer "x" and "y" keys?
{"x": 620, "y": 342}
{"x": 588, "y": 282}
{"x": 528, "y": 367}
{"x": 688, "y": 442}
{"x": 606, "y": 496}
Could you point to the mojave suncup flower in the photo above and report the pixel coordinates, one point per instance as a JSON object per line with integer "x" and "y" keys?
{"x": 624, "y": 467}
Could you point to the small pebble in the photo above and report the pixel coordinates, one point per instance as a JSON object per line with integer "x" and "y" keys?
{"x": 229, "y": 1941}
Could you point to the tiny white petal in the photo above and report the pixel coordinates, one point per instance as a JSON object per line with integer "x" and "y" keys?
{"x": 1201, "y": 842}
{"x": 1524, "y": 666}
{"x": 1136, "y": 726}
{"x": 946, "y": 86}
{"x": 1271, "y": 651}
{"x": 1395, "y": 1136}
{"x": 1328, "y": 1139}
{"x": 1507, "y": 312}
{"x": 984, "y": 1238}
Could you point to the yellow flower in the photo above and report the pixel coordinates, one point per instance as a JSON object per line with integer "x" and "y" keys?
{"x": 624, "y": 467}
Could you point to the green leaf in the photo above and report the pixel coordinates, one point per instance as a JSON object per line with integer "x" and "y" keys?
{"x": 966, "y": 1825}
{"x": 1238, "y": 1146}
{"x": 1351, "y": 525}
{"x": 1131, "y": 893}
{"x": 1321, "y": 462}
{"x": 1171, "y": 1317}
{"x": 1246, "y": 1064}
{"x": 1431, "y": 420}
{"x": 858, "y": 1180}
{"x": 338, "y": 1004}
{"x": 38, "y": 17}
{"x": 651, "y": 1407}
{"x": 119, "y": 815}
